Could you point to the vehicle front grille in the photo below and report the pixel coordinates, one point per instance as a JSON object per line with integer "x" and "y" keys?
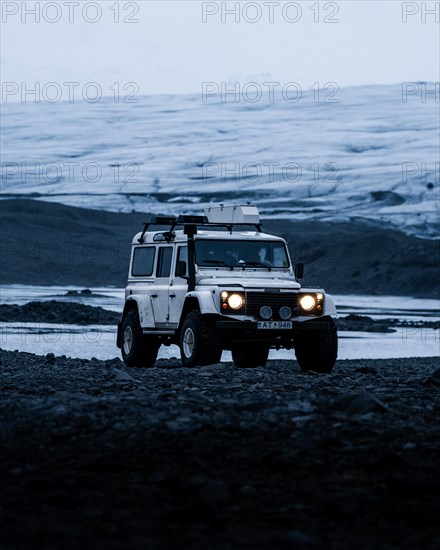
{"x": 275, "y": 300}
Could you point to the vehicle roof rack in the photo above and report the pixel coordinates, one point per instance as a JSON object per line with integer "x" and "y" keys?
{"x": 157, "y": 220}
{"x": 190, "y": 220}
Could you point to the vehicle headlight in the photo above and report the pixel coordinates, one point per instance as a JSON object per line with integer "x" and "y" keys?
{"x": 232, "y": 302}
{"x": 307, "y": 302}
{"x": 235, "y": 301}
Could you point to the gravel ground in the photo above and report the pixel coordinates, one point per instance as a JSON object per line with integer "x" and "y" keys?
{"x": 95, "y": 455}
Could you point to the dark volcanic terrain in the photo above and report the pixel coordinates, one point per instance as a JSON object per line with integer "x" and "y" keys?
{"x": 44, "y": 243}
{"x": 98, "y": 456}
{"x": 53, "y": 311}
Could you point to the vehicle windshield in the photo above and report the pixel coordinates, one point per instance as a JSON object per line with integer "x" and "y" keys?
{"x": 232, "y": 253}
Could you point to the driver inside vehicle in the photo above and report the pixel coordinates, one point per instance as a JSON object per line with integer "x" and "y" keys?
{"x": 231, "y": 258}
{"x": 262, "y": 255}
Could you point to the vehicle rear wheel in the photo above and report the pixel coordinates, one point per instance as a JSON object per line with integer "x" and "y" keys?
{"x": 138, "y": 350}
{"x": 317, "y": 348}
{"x": 199, "y": 344}
{"x": 250, "y": 356}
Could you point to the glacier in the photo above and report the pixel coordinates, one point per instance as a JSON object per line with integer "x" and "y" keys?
{"x": 369, "y": 156}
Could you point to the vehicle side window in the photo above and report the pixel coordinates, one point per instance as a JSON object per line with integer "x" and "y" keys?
{"x": 164, "y": 261}
{"x": 143, "y": 261}
{"x": 182, "y": 255}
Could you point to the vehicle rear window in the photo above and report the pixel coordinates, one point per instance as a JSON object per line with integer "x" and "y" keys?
{"x": 143, "y": 261}
{"x": 164, "y": 261}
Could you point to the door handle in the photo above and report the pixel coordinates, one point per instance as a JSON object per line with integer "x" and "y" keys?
{"x": 172, "y": 295}
{"x": 153, "y": 295}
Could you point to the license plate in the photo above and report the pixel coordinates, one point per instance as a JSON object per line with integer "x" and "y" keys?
{"x": 274, "y": 325}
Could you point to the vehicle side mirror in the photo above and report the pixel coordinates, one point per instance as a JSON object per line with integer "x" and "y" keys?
{"x": 181, "y": 269}
{"x": 299, "y": 271}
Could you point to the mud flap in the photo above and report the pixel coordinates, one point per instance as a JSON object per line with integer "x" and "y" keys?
{"x": 119, "y": 335}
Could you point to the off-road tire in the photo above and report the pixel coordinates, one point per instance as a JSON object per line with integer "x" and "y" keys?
{"x": 205, "y": 347}
{"x": 250, "y": 356}
{"x": 317, "y": 348}
{"x": 143, "y": 349}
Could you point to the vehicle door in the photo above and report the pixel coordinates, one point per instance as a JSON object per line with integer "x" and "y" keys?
{"x": 178, "y": 286}
{"x": 160, "y": 296}
{"x": 141, "y": 282}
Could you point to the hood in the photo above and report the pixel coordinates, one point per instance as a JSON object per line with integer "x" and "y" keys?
{"x": 250, "y": 283}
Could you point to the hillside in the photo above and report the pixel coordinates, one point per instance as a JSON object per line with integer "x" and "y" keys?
{"x": 47, "y": 243}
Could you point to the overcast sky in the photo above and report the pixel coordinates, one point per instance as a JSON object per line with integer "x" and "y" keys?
{"x": 173, "y": 50}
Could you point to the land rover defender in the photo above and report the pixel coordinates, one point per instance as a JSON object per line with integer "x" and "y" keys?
{"x": 216, "y": 282}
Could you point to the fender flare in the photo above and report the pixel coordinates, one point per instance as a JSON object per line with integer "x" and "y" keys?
{"x": 203, "y": 300}
{"x": 143, "y": 306}
{"x": 329, "y": 307}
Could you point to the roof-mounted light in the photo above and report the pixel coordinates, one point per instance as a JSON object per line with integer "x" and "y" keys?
{"x": 162, "y": 220}
{"x": 192, "y": 219}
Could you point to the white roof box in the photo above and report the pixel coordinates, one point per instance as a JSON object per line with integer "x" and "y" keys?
{"x": 233, "y": 214}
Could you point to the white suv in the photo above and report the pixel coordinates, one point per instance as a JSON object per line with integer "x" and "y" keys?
{"x": 217, "y": 282}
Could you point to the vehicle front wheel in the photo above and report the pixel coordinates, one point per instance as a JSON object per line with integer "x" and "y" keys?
{"x": 138, "y": 350}
{"x": 316, "y": 345}
{"x": 199, "y": 343}
{"x": 250, "y": 356}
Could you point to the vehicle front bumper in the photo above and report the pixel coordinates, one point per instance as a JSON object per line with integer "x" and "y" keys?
{"x": 236, "y": 332}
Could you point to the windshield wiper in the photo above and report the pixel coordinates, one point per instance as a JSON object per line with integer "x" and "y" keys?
{"x": 257, "y": 264}
{"x": 217, "y": 262}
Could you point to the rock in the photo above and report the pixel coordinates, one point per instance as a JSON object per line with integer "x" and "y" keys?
{"x": 121, "y": 376}
{"x": 367, "y": 370}
{"x": 260, "y": 459}
{"x": 248, "y": 491}
{"x": 304, "y": 407}
{"x": 364, "y": 323}
{"x": 214, "y": 492}
{"x": 52, "y": 311}
{"x": 300, "y": 539}
{"x": 60, "y": 410}
{"x": 184, "y": 424}
{"x": 50, "y": 358}
{"x": 358, "y": 403}
{"x": 434, "y": 379}
{"x": 367, "y": 417}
